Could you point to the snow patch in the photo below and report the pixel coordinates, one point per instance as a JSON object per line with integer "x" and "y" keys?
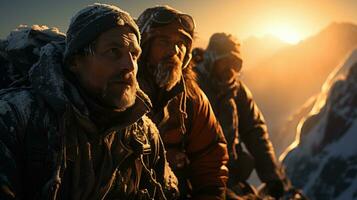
{"x": 19, "y": 38}
{"x": 346, "y": 146}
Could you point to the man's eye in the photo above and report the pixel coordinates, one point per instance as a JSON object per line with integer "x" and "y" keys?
{"x": 114, "y": 52}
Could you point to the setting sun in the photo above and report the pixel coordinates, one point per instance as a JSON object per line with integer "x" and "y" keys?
{"x": 286, "y": 33}
{"x": 287, "y": 36}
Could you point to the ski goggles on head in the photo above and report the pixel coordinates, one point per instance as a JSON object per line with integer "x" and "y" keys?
{"x": 232, "y": 58}
{"x": 166, "y": 17}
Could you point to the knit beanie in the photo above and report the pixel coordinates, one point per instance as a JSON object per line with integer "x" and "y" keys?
{"x": 93, "y": 20}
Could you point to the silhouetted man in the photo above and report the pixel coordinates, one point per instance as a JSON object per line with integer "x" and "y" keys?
{"x": 239, "y": 117}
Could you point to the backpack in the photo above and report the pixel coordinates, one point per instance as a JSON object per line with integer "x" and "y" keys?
{"x": 21, "y": 49}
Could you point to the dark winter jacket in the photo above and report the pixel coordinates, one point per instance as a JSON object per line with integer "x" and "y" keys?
{"x": 52, "y": 148}
{"x": 242, "y": 120}
{"x": 193, "y": 138}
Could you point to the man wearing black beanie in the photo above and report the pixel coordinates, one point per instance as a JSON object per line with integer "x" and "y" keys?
{"x": 80, "y": 130}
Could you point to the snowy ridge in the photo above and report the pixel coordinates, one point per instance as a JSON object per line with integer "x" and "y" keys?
{"x": 338, "y": 73}
{"x": 323, "y": 160}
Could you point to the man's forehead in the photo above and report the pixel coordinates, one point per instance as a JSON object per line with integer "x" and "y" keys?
{"x": 120, "y": 35}
{"x": 173, "y": 30}
{"x": 172, "y": 35}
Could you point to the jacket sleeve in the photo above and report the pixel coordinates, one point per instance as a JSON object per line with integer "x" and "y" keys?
{"x": 254, "y": 134}
{"x": 207, "y": 151}
{"x": 10, "y": 156}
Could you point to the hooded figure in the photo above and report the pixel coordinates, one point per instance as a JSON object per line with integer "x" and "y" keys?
{"x": 196, "y": 148}
{"x": 239, "y": 116}
{"x": 79, "y": 130}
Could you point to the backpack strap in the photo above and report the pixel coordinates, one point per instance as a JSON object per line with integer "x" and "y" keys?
{"x": 144, "y": 157}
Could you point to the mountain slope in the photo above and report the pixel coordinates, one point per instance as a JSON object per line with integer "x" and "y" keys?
{"x": 323, "y": 161}
{"x": 295, "y": 73}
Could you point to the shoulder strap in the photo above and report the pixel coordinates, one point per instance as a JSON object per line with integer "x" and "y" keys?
{"x": 188, "y": 122}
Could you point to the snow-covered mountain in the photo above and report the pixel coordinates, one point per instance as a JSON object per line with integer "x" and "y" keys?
{"x": 285, "y": 81}
{"x": 323, "y": 159}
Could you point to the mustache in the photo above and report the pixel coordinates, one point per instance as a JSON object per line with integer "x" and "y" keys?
{"x": 171, "y": 60}
{"x": 124, "y": 77}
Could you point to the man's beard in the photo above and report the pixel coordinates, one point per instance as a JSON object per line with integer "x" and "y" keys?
{"x": 120, "y": 100}
{"x": 168, "y": 72}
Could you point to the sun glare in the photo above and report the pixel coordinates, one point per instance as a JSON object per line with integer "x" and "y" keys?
{"x": 286, "y": 34}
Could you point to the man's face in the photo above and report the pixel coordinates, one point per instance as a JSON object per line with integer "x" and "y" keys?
{"x": 110, "y": 74}
{"x": 226, "y": 69}
{"x": 166, "y": 55}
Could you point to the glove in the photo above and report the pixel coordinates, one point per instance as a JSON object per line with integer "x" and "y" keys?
{"x": 275, "y": 188}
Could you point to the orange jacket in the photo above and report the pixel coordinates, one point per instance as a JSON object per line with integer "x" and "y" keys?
{"x": 195, "y": 144}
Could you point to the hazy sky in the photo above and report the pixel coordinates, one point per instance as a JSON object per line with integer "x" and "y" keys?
{"x": 290, "y": 20}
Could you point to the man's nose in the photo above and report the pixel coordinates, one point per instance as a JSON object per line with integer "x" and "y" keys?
{"x": 128, "y": 63}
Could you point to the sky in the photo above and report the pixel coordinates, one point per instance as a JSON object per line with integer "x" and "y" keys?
{"x": 289, "y": 20}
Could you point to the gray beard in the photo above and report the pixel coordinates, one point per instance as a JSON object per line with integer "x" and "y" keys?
{"x": 126, "y": 101}
{"x": 167, "y": 75}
